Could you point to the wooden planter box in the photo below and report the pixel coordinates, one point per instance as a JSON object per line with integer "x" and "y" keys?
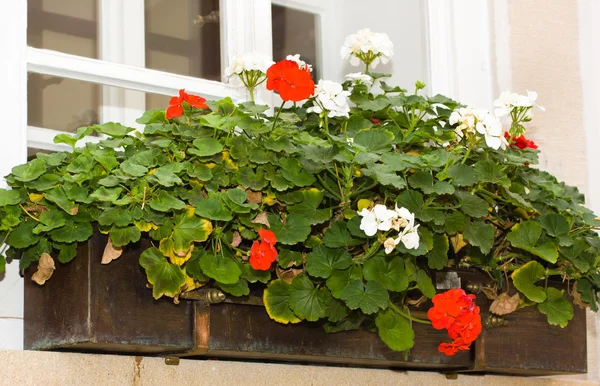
{"x": 89, "y": 307}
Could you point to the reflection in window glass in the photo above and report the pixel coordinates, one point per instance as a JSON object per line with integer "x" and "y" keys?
{"x": 294, "y": 32}
{"x": 183, "y": 37}
{"x": 68, "y": 26}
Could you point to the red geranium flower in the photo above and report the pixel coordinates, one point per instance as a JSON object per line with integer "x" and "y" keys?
{"x": 521, "y": 142}
{"x": 375, "y": 121}
{"x": 291, "y": 82}
{"x": 176, "y": 104}
{"x": 263, "y": 253}
{"x": 456, "y": 312}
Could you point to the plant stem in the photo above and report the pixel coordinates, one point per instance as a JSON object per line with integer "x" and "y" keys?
{"x": 251, "y": 91}
{"x": 466, "y": 155}
{"x": 333, "y": 192}
{"x": 326, "y": 119}
{"x": 406, "y": 315}
{"x": 277, "y": 115}
{"x": 29, "y": 214}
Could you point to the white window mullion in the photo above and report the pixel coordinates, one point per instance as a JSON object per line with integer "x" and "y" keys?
{"x": 246, "y": 27}
{"x": 13, "y": 98}
{"x": 121, "y": 32}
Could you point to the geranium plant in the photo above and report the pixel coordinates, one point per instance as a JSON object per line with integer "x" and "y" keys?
{"x": 339, "y": 205}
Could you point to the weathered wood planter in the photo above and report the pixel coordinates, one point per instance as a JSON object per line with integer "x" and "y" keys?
{"x": 90, "y": 307}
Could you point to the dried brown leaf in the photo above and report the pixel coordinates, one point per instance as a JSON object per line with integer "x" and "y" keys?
{"x": 254, "y": 197}
{"x": 416, "y": 302}
{"x": 237, "y": 239}
{"x": 489, "y": 292}
{"x": 505, "y": 304}
{"x": 262, "y": 218}
{"x": 45, "y": 269}
{"x": 577, "y": 298}
{"x": 288, "y": 274}
{"x": 457, "y": 242}
{"x": 110, "y": 252}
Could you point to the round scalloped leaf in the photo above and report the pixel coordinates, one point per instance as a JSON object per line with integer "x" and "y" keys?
{"x": 369, "y": 298}
{"x": 524, "y": 278}
{"x": 387, "y": 270}
{"x": 165, "y": 202}
{"x": 276, "y": 299}
{"x": 555, "y": 224}
{"x": 295, "y": 229}
{"x": 222, "y": 269}
{"x": 238, "y": 289}
{"x": 166, "y": 278}
{"x": 557, "y": 309}
{"x": 123, "y": 236}
{"x": 9, "y": 197}
{"x": 306, "y": 301}
{"x": 322, "y": 261}
{"x": 525, "y": 236}
{"x": 395, "y": 330}
{"x": 29, "y": 171}
{"x": 72, "y": 232}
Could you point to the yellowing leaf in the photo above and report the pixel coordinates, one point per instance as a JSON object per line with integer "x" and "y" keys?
{"x": 151, "y": 172}
{"x": 269, "y": 199}
{"x": 457, "y": 242}
{"x": 45, "y": 269}
{"x": 145, "y": 226}
{"x": 110, "y": 252}
{"x": 167, "y": 247}
{"x": 505, "y": 304}
{"x": 364, "y": 203}
{"x": 35, "y": 197}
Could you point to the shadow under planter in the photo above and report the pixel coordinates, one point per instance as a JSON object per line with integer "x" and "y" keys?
{"x": 91, "y": 307}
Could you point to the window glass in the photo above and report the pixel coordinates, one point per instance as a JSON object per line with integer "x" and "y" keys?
{"x": 183, "y": 37}
{"x": 68, "y": 26}
{"x": 295, "y": 32}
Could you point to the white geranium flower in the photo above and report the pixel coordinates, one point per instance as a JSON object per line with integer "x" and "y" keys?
{"x": 405, "y": 219}
{"x": 360, "y": 78}
{"x": 368, "y": 223}
{"x": 509, "y": 100}
{"x": 491, "y": 128}
{"x": 331, "y": 97}
{"x": 390, "y": 245}
{"x": 409, "y": 237}
{"x": 250, "y": 61}
{"x": 367, "y": 46}
{"x": 466, "y": 117}
{"x": 301, "y": 63}
{"x": 384, "y": 217}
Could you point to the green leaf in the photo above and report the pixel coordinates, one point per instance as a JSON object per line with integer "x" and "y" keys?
{"x": 411, "y": 200}
{"x": 375, "y": 140}
{"x": 340, "y": 279}
{"x": 206, "y": 147}
{"x": 425, "y": 284}
{"x": 72, "y": 232}
{"x": 480, "y": 234}
{"x": 276, "y": 299}
{"x": 133, "y": 169}
{"x": 336, "y": 311}
{"x": 67, "y": 252}
{"x": 471, "y": 204}
{"x": 287, "y": 258}
{"x": 462, "y": 175}
{"x": 71, "y": 140}
{"x": 50, "y": 219}
{"x": 253, "y": 108}
{"x": 455, "y": 222}
{"x": 579, "y": 255}
{"x": 351, "y": 322}
{"x": 422, "y": 180}
{"x": 295, "y": 229}
{"x": 123, "y": 236}
{"x": 292, "y": 171}
{"x": 166, "y": 278}
{"x": 555, "y": 224}
{"x": 437, "y": 258}
{"x": 385, "y": 175}
{"x": 308, "y": 208}
{"x": 369, "y": 298}
{"x": 115, "y": 216}
{"x": 152, "y": 116}
{"x": 211, "y": 209}
{"x": 22, "y": 236}
{"x": 248, "y": 178}
{"x": 306, "y": 301}
{"x": 588, "y": 293}
{"x": 387, "y": 270}
{"x": 525, "y": 236}
{"x": 238, "y": 289}
{"x": 395, "y": 330}
{"x": 524, "y": 279}
{"x": 557, "y": 309}
{"x": 165, "y": 202}
{"x": 338, "y": 236}
{"x": 200, "y": 171}
{"x": 113, "y": 129}
{"x": 59, "y": 197}
{"x": 166, "y": 177}
{"x": 29, "y": 171}
{"x": 9, "y": 197}
{"x": 189, "y": 229}
{"x": 322, "y": 261}
{"x": 253, "y": 276}
{"x": 107, "y": 194}
{"x": 221, "y": 268}
{"x": 488, "y": 171}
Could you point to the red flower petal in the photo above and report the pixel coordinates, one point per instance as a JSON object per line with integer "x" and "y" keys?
{"x": 291, "y": 82}
{"x": 267, "y": 236}
{"x": 196, "y": 101}
{"x": 174, "y": 111}
{"x": 262, "y": 255}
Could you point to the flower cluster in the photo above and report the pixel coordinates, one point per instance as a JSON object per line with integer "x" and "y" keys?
{"x": 456, "y": 312}
{"x": 509, "y": 101}
{"x": 250, "y": 69}
{"x": 369, "y": 47}
{"x": 471, "y": 120}
{"x": 384, "y": 219}
{"x": 263, "y": 253}
{"x": 175, "y": 108}
{"x": 291, "y": 82}
{"x": 330, "y": 99}
{"x": 359, "y": 78}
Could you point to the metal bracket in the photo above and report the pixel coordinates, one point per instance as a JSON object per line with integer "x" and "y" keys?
{"x": 204, "y": 296}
